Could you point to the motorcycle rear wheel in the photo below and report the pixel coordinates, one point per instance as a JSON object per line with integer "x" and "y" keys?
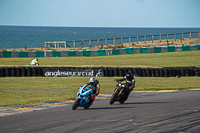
{"x": 75, "y": 104}
{"x": 113, "y": 97}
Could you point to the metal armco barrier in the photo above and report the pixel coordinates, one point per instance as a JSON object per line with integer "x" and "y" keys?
{"x": 99, "y": 72}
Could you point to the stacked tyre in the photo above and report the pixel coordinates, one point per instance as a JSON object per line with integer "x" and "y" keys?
{"x": 107, "y": 71}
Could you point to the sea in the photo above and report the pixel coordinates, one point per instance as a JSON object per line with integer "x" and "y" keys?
{"x": 35, "y": 36}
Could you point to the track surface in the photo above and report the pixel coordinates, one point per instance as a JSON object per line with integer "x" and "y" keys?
{"x": 143, "y": 112}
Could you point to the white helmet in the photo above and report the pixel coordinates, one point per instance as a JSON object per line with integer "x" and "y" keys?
{"x": 91, "y": 80}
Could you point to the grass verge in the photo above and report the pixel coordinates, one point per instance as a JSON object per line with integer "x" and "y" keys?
{"x": 71, "y": 83}
{"x": 21, "y": 98}
{"x": 169, "y": 59}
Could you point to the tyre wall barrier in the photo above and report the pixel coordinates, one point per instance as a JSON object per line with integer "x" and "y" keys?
{"x": 105, "y": 71}
{"x": 21, "y": 71}
{"x": 99, "y": 52}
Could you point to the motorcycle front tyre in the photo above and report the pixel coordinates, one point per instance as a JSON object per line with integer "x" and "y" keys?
{"x": 76, "y": 104}
{"x": 113, "y": 97}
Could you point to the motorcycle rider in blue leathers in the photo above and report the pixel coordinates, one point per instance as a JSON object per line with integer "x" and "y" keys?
{"x": 130, "y": 82}
{"x": 95, "y": 86}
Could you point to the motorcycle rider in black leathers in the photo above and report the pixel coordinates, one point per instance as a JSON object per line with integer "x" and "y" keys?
{"x": 130, "y": 82}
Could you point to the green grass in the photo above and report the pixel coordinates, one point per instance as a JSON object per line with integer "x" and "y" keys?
{"x": 71, "y": 83}
{"x": 107, "y": 83}
{"x": 21, "y": 98}
{"x": 170, "y": 59}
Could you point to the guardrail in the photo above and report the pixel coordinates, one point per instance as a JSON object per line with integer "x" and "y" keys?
{"x": 100, "y": 52}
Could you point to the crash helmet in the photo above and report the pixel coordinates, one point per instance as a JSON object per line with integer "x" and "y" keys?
{"x": 129, "y": 76}
{"x": 36, "y": 59}
{"x": 92, "y": 80}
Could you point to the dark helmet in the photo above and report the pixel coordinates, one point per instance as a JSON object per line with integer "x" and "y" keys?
{"x": 129, "y": 76}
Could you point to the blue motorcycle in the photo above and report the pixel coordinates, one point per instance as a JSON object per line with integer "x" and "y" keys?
{"x": 84, "y": 98}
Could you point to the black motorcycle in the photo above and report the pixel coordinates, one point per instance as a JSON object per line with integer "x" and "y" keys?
{"x": 120, "y": 93}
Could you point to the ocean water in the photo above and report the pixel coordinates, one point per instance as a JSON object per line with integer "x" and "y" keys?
{"x": 35, "y": 36}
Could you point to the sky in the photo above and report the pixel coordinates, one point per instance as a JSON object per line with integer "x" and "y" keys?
{"x": 101, "y": 13}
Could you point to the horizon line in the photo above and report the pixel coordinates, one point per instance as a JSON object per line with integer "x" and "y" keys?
{"x": 97, "y": 26}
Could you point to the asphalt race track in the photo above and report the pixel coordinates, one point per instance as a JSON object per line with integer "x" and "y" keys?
{"x": 143, "y": 112}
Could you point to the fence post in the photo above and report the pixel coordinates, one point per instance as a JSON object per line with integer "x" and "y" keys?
{"x": 137, "y": 39}
{"x": 175, "y": 36}
{"x": 45, "y": 44}
{"x": 145, "y": 39}
{"x": 106, "y": 41}
{"x": 97, "y": 42}
{"x": 55, "y": 44}
{"x": 74, "y": 44}
{"x": 113, "y": 41}
{"x": 129, "y": 40}
{"x": 160, "y": 37}
{"x": 82, "y": 44}
{"x": 190, "y": 35}
{"x": 152, "y": 38}
{"x": 65, "y": 44}
{"x": 90, "y": 43}
{"x": 167, "y": 38}
{"x": 198, "y": 34}
{"x": 121, "y": 40}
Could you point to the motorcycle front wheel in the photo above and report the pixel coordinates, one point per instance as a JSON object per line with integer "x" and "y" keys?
{"x": 113, "y": 97}
{"x": 76, "y": 104}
